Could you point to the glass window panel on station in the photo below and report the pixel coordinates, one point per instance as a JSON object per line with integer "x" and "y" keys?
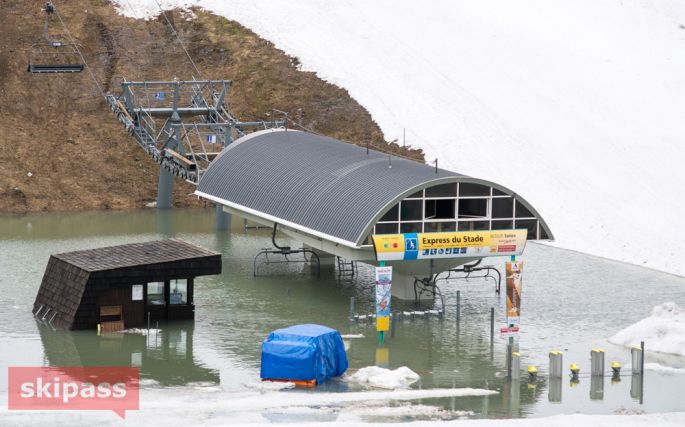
{"x": 411, "y": 210}
{"x": 467, "y": 189}
{"x": 474, "y": 225}
{"x": 531, "y": 225}
{"x": 543, "y": 233}
{"x": 389, "y": 228}
{"x": 178, "y": 293}
{"x": 439, "y": 209}
{"x": 439, "y": 227}
{"x": 522, "y": 211}
{"x": 410, "y": 227}
{"x": 155, "y": 293}
{"x": 503, "y": 208}
{"x": 443, "y": 190}
{"x": 473, "y": 208}
{"x": 496, "y": 192}
{"x": 417, "y": 195}
{"x": 392, "y": 215}
{"x": 502, "y": 225}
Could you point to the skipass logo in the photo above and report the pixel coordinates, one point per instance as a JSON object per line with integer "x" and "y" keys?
{"x": 74, "y": 388}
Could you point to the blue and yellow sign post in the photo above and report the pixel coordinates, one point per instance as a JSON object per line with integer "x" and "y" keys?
{"x": 383, "y": 295}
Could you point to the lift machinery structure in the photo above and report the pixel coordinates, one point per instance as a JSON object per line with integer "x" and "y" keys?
{"x": 182, "y": 125}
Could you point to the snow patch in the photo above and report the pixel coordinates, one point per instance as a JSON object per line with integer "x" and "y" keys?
{"x": 573, "y": 112}
{"x": 663, "y": 331}
{"x": 666, "y": 370}
{"x": 375, "y": 376}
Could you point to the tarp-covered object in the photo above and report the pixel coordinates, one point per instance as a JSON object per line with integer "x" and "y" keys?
{"x": 303, "y": 352}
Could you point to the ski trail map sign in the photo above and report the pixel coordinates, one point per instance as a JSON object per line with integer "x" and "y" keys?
{"x": 383, "y": 287}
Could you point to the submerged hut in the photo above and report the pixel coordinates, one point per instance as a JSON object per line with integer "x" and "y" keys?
{"x": 124, "y": 285}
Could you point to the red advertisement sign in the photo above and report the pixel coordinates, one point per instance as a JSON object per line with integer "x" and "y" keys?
{"x": 73, "y": 388}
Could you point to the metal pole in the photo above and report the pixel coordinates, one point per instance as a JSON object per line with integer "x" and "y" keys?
{"x": 392, "y": 324}
{"x": 642, "y": 372}
{"x": 351, "y": 309}
{"x": 492, "y": 323}
{"x": 458, "y": 306}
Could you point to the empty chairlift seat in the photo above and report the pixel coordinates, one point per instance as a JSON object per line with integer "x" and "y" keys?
{"x": 54, "y": 57}
{"x": 304, "y": 354}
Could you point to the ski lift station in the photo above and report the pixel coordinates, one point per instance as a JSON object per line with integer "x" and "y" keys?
{"x": 347, "y": 201}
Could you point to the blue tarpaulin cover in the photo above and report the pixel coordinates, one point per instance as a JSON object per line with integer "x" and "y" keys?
{"x": 303, "y": 352}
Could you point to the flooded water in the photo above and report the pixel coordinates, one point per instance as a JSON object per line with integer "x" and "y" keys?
{"x": 571, "y": 302}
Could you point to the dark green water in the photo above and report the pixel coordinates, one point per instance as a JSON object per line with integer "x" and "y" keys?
{"x": 571, "y": 302}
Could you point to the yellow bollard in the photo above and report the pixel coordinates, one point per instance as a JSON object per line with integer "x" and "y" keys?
{"x": 532, "y": 372}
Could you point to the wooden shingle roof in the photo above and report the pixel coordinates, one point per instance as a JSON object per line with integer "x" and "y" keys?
{"x": 134, "y": 254}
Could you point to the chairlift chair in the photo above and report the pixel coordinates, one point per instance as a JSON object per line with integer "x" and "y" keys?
{"x": 52, "y": 56}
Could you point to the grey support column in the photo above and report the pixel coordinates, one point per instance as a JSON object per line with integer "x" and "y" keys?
{"x": 223, "y": 218}
{"x": 165, "y": 188}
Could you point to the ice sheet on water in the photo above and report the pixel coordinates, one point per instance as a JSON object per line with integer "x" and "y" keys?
{"x": 375, "y": 376}
{"x": 663, "y": 331}
{"x": 142, "y": 331}
{"x": 270, "y": 385}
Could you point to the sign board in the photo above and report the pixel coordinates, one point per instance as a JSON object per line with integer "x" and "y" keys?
{"x": 514, "y": 282}
{"x": 137, "y": 293}
{"x": 509, "y": 331}
{"x": 458, "y": 244}
{"x": 383, "y": 287}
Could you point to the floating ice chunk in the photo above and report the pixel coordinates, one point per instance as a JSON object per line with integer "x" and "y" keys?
{"x": 142, "y": 331}
{"x": 663, "y": 331}
{"x": 668, "y": 370}
{"x": 270, "y": 385}
{"x": 385, "y": 378}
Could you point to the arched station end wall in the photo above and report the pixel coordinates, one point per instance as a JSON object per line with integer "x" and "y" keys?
{"x": 458, "y": 204}
{"x": 339, "y": 192}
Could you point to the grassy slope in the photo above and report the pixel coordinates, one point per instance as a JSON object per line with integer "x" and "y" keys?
{"x": 59, "y": 129}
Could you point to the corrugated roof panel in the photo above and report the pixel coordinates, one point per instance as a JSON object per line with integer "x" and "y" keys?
{"x": 317, "y": 182}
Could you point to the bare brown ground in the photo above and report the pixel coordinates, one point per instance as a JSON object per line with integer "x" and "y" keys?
{"x": 59, "y": 129}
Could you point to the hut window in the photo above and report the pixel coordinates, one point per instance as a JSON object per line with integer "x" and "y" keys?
{"x": 179, "y": 292}
{"x": 155, "y": 293}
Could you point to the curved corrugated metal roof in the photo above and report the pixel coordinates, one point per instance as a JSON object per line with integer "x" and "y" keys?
{"x": 318, "y": 184}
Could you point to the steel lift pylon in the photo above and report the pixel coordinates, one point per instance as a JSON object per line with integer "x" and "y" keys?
{"x": 183, "y": 126}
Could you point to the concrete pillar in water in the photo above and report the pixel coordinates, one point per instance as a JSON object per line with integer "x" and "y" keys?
{"x": 165, "y": 188}
{"x": 636, "y": 360}
{"x": 556, "y": 359}
{"x": 223, "y": 218}
{"x": 403, "y": 288}
{"x": 515, "y": 366}
{"x": 326, "y": 259}
{"x": 597, "y": 362}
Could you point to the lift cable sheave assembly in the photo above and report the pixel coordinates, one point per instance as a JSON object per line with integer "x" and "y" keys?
{"x": 52, "y": 55}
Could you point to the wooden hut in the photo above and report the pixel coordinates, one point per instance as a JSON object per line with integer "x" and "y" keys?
{"x": 84, "y": 288}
